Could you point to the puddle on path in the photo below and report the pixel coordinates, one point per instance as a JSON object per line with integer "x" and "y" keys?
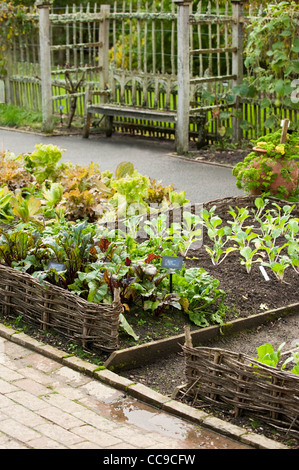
{"x": 118, "y": 407}
{"x": 130, "y": 411}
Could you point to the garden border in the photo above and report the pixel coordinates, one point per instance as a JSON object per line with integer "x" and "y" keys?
{"x": 155, "y": 350}
{"x": 142, "y": 392}
{"x": 51, "y": 306}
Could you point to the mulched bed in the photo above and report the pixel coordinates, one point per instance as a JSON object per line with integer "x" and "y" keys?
{"x": 226, "y": 156}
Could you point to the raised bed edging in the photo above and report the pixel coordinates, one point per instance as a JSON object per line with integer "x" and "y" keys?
{"x": 238, "y": 383}
{"x": 53, "y": 307}
{"x": 141, "y": 392}
{"x": 150, "y": 352}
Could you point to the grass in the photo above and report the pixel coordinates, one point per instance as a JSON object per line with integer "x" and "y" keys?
{"x": 13, "y": 116}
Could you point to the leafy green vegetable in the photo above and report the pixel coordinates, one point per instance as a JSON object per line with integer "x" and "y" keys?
{"x": 267, "y": 355}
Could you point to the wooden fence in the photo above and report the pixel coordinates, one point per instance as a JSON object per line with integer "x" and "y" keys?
{"x": 142, "y": 41}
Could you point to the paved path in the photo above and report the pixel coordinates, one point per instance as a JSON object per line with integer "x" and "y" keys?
{"x": 45, "y": 404}
{"x": 202, "y": 182}
{"x": 49, "y": 400}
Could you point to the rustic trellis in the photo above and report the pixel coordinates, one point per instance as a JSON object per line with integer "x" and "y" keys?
{"x": 139, "y": 62}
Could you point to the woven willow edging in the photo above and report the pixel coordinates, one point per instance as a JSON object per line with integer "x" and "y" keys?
{"x": 237, "y": 383}
{"x": 93, "y": 326}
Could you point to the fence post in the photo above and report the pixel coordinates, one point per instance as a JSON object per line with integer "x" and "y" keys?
{"x": 182, "y": 131}
{"x": 45, "y": 63}
{"x": 104, "y": 55}
{"x": 237, "y": 61}
{"x": 104, "y": 46}
{"x": 7, "y": 85}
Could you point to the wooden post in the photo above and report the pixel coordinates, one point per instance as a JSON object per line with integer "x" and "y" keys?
{"x": 104, "y": 55}
{"x": 7, "y": 87}
{"x": 45, "y": 63}
{"x": 104, "y": 47}
{"x": 237, "y": 61}
{"x": 182, "y": 124}
{"x": 285, "y": 126}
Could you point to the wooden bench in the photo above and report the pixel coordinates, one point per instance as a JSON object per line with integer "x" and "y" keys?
{"x": 133, "y": 112}
{"x": 113, "y": 103}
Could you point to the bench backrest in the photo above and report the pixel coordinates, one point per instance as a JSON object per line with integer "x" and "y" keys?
{"x": 142, "y": 89}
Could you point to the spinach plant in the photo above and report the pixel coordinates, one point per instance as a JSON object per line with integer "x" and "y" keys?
{"x": 199, "y": 293}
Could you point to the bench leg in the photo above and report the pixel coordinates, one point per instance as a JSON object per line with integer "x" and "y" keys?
{"x": 109, "y": 124}
{"x": 86, "y": 127}
{"x": 201, "y": 132}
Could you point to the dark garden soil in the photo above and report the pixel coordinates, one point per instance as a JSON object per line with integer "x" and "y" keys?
{"x": 219, "y": 156}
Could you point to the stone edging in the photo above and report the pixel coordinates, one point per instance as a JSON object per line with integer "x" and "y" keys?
{"x": 142, "y": 392}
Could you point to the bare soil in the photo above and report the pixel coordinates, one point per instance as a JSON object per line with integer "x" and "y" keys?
{"x": 220, "y": 156}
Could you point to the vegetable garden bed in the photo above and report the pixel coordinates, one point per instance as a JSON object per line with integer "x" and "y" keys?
{"x": 248, "y": 302}
{"x": 219, "y": 291}
{"x": 130, "y": 226}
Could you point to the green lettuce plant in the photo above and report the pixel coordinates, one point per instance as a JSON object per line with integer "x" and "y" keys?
{"x": 271, "y": 357}
{"x": 267, "y": 355}
{"x": 43, "y": 163}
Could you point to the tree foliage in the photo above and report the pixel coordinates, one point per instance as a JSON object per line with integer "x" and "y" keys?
{"x": 14, "y": 22}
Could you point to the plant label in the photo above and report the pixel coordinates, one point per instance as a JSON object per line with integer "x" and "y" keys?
{"x": 57, "y": 266}
{"x": 263, "y": 271}
{"x": 172, "y": 262}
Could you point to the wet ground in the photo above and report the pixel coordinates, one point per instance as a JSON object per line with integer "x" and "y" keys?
{"x": 46, "y": 405}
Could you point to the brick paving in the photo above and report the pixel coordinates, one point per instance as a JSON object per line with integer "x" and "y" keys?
{"x": 49, "y": 401}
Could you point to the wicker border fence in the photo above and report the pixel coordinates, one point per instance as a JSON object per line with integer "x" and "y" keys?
{"x": 238, "y": 384}
{"x": 92, "y": 326}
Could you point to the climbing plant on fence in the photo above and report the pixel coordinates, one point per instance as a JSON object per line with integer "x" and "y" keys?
{"x": 14, "y": 22}
{"x": 271, "y": 59}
